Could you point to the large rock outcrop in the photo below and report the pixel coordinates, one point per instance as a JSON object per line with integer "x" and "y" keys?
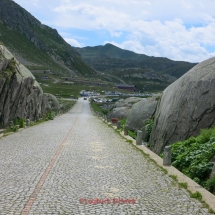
{"x": 49, "y": 103}
{"x": 120, "y": 113}
{"x": 122, "y": 107}
{"x": 140, "y": 113}
{"x": 20, "y": 94}
{"x": 129, "y": 102}
{"x": 186, "y": 106}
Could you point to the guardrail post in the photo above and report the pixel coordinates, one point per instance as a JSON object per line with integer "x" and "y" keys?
{"x": 118, "y": 125}
{"x": 139, "y": 137}
{"x": 126, "y": 130}
{"x": 28, "y": 122}
{"x": 213, "y": 171}
{"x": 167, "y": 156}
{"x": 37, "y": 118}
{"x": 11, "y": 123}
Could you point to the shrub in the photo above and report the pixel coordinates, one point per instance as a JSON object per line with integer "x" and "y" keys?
{"x": 210, "y": 184}
{"x": 49, "y": 115}
{"x": 158, "y": 98}
{"x": 193, "y": 157}
{"x": 96, "y": 107}
{"x": 174, "y": 177}
{"x": 149, "y": 123}
{"x": 205, "y": 135}
{"x": 16, "y": 121}
{"x": 184, "y": 185}
{"x": 14, "y": 128}
{"x": 132, "y": 134}
{"x": 196, "y": 195}
{"x": 105, "y": 112}
{"x": 122, "y": 123}
{"x": 12, "y": 66}
{"x": 22, "y": 123}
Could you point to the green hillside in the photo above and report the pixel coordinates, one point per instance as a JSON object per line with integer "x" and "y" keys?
{"x": 147, "y": 73}
{"x": 111, "y": 57}
{"x": 111, "y": 51}
{"x": 36, "y": 45}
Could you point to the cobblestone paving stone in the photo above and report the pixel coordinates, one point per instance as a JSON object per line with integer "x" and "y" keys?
{"x": 94, "y": 163}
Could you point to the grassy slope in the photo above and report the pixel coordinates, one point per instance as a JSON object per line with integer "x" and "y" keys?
{"x": 66, "y": 91}
{"x": 21, "y": 45}
{"x": 112, "y": 60}
{"x": 58, "y": 47}
{"x": 167, "y": 66}
{"x": 49, "y": 51}
{"x": 110, "y": 51}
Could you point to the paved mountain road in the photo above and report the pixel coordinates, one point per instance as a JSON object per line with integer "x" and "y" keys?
{"x": 59, "y": 166}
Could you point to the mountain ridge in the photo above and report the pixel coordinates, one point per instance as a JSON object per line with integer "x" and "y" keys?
{"x": 158, "y": 64}
{"x": 133, "y": 68}
{"x": 113, "y": 52}
{"x": 39, "y": 47}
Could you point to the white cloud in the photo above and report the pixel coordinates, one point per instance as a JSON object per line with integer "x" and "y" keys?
{"x": 180, "y": 30}
{"x": 25, "y": 2}
{"x": 73, "y": 42}
{"x": 116, "y": 34}
{"x": 87, "y": 16}
{"x": 192, "y": 52}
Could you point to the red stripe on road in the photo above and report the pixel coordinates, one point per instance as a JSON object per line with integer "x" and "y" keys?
{"x": 37, "y": 189}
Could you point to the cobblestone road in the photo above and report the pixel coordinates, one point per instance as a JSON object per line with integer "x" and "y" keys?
{"x": 61, "y": 166}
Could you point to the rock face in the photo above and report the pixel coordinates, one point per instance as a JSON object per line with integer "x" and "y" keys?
{"x": 120, "y": 113}
{"x": 129, "y": 102}
{"x": 140, "y": 112}
{"x": 122, "y": 108}
{"x": 20, "y": 94}
{"x": 186, "y": 106}
{"x": 49, "y": 103}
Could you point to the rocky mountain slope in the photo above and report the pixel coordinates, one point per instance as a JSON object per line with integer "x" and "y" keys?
{"x": 36, "y": 45}
{"x": 20, "y": 94}
{"x": 148, "y": 73}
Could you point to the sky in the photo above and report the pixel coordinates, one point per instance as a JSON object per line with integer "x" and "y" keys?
{"x": 181, "y": 30}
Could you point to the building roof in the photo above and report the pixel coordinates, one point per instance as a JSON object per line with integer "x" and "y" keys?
{"x": 124, "y": 85}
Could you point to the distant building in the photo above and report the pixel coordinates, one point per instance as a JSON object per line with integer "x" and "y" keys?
{"x": 44, "y": 77}
{"x": 41, "y": 71}
{"x": 131, "y": 88}
{"x": 86, "y": 82}
{"x": 67, "y": 82}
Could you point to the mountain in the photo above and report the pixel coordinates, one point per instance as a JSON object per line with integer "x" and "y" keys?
{"x": 35, "y": 45}
{"x": 148, "y": 73}
{"x": 111, "y": 51}
{"x": 39, "y": 47}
